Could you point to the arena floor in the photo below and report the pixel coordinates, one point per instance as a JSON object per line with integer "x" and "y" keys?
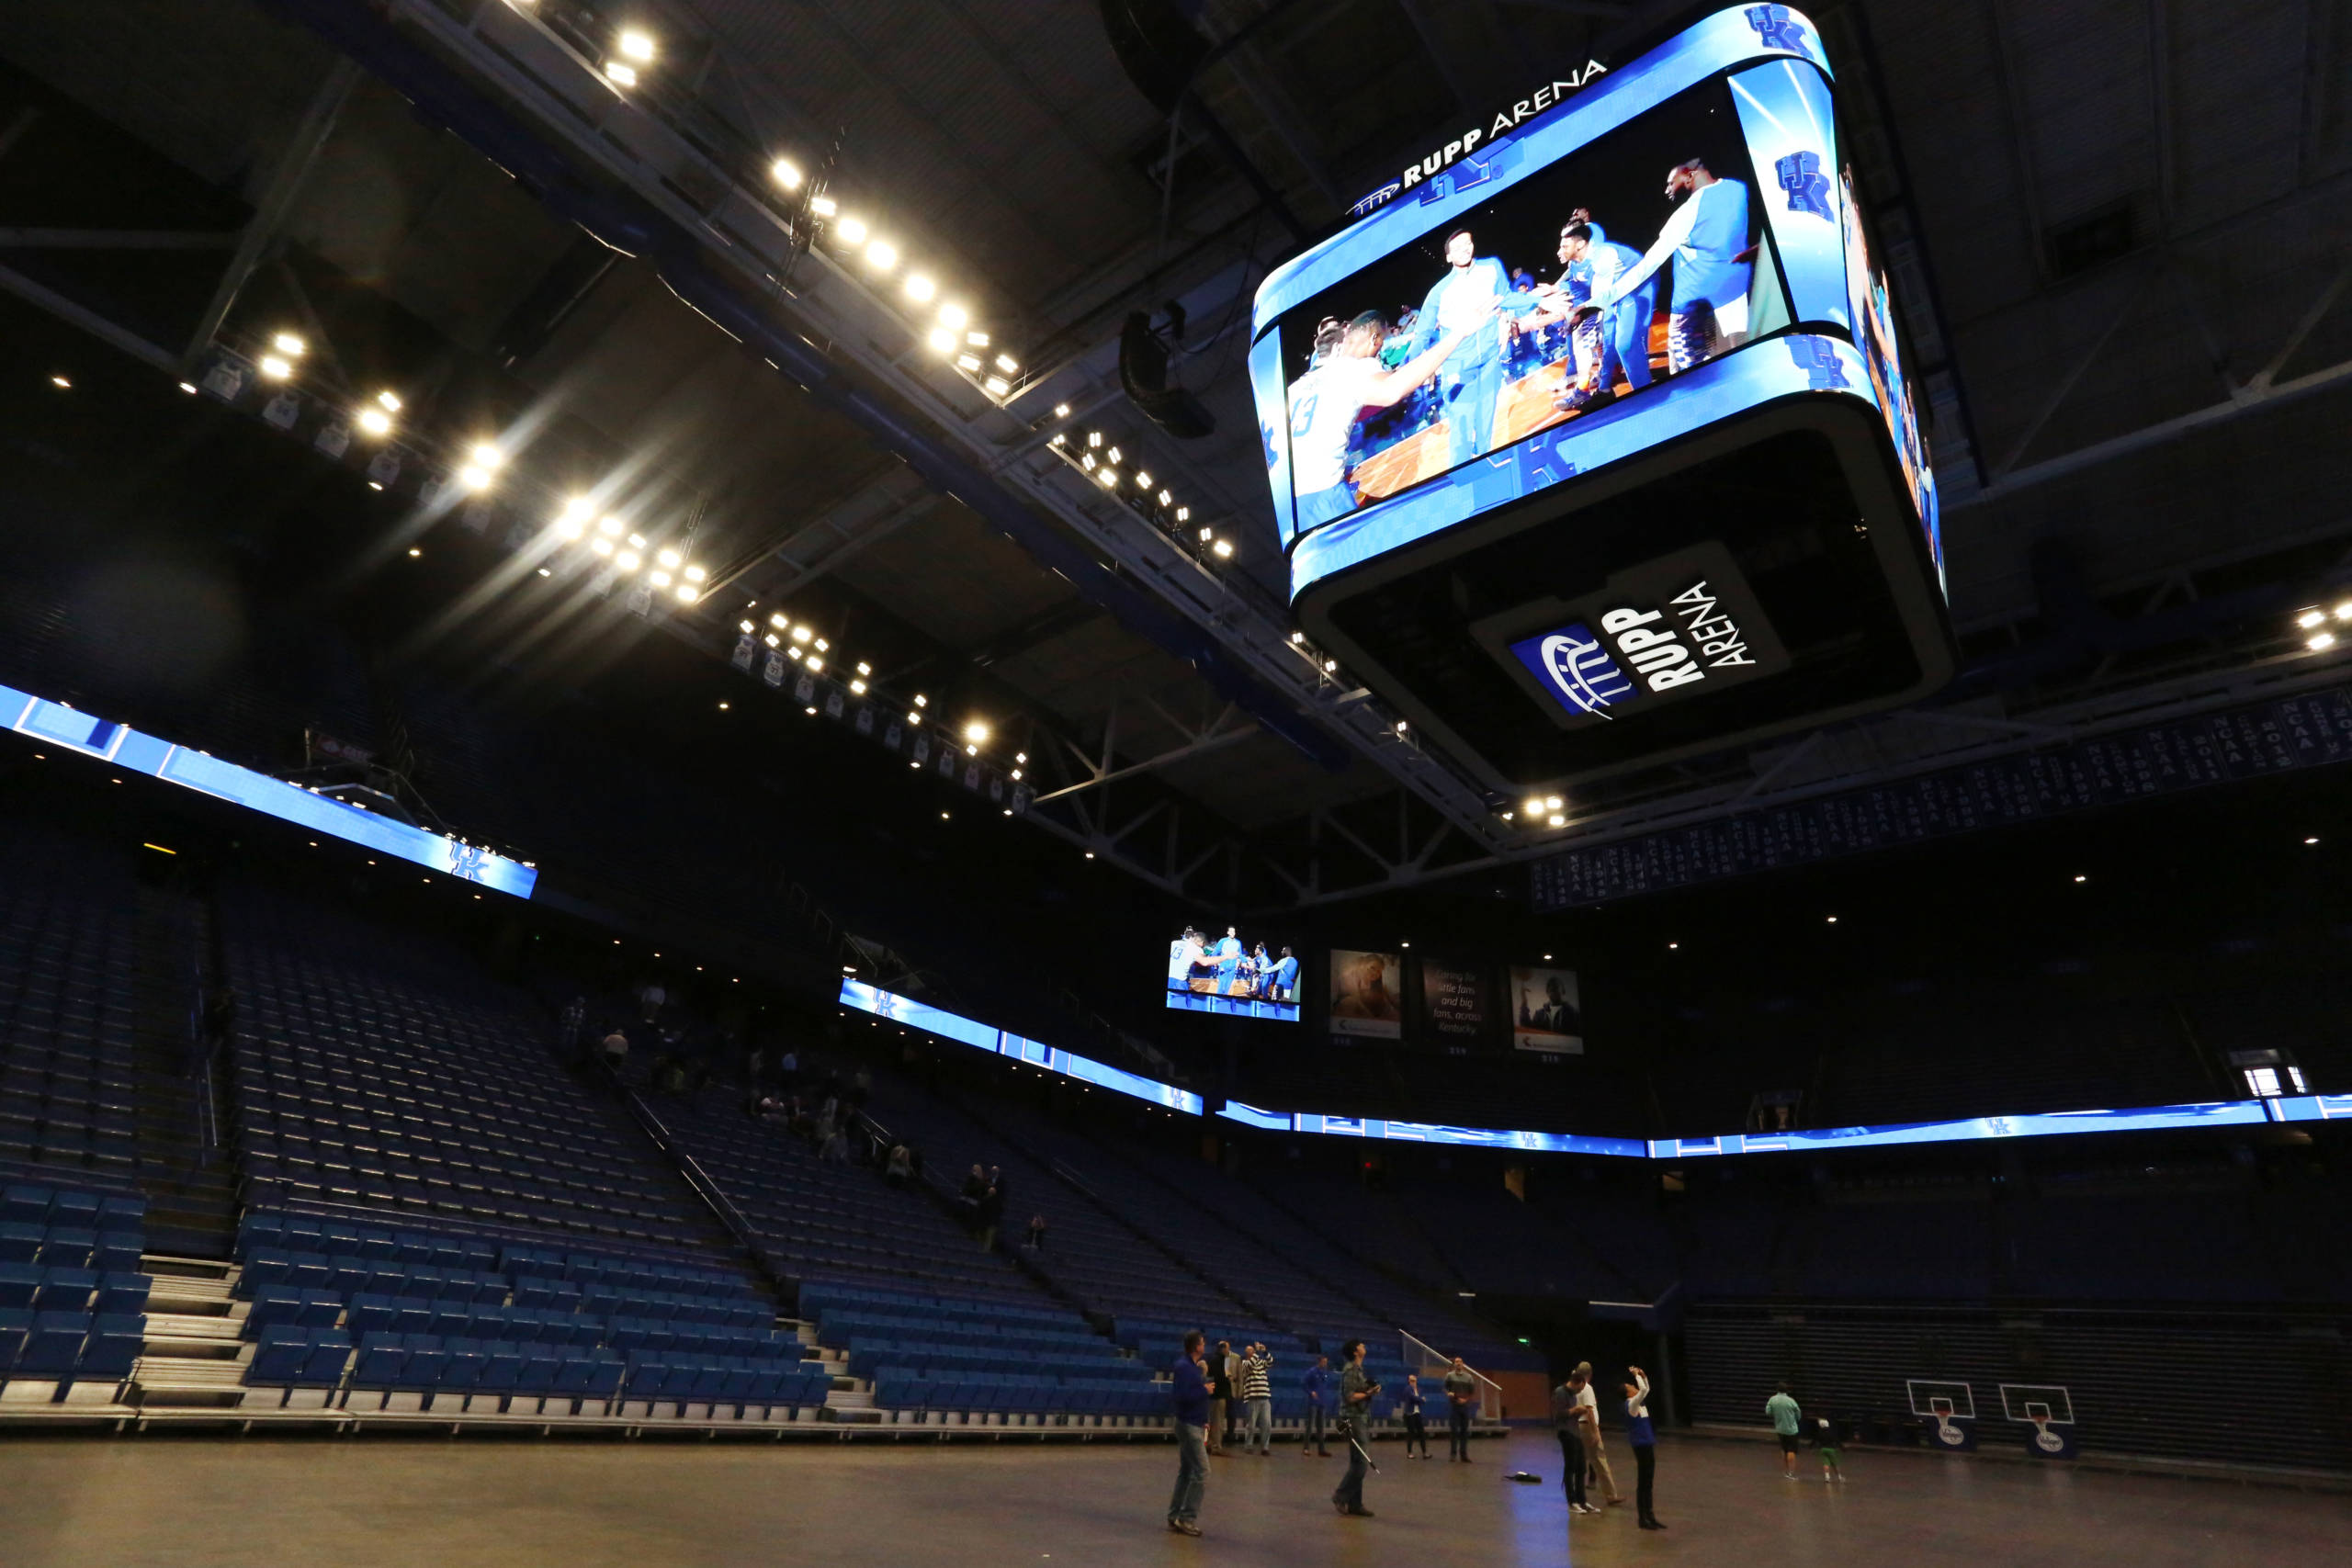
{"x": 201, "y": 1501}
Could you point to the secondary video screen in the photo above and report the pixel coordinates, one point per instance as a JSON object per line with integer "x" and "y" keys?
{"x": 1214, "y": 968}
{"x": 1638, "y": 257}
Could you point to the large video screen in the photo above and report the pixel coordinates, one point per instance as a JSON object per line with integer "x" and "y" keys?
{"x": 1635, "y": 259}
{"x": 986, "y": 1037}
{"x": 1214, "y": 968}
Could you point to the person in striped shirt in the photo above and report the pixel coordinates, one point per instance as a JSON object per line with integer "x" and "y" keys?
{"x": 1257, "y": 1399}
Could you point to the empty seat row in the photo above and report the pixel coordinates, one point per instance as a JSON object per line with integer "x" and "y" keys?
{"x": 59, "y": 1347}
{"x": 68, "y": 1246}
{"x": 725, "y": 1379}
{"x": 351, "y": 1275}
{"x": 432, "y": 1361}
{"x": 304, "y": 1233}
{"x": 594, "y": 1268}
{"x": 72, "y": 1290}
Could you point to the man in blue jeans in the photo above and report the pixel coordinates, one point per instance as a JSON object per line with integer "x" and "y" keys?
{"x": 1192, "y": 1410}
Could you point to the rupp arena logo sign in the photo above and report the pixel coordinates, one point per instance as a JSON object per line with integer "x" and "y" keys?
{"x": 1504, "y": 123}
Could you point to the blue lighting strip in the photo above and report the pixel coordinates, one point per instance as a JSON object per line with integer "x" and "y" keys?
{"x": 119, "y": 746}
{"x": 1004, "y": 1042}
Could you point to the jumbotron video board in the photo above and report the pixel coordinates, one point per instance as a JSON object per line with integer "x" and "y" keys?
{"x": 1591, "y": 445}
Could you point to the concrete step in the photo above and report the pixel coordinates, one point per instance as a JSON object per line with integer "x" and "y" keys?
{"x": 199, "y": 1336}
{"x": 186, "y": 1381}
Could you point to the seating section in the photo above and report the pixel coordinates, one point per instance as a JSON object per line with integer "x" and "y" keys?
{"x": 72, "y": 1298}
{"x": 372, "y": 1319}
{"x": 373, "y": 1072}
{"x": 67, "y": 935}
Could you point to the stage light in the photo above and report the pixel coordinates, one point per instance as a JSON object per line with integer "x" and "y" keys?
{"x": 941, "y": 340}
{"x": 1330, "y": 667}
{"x": 1020, "y": 756}
{"x": 413, "y": 552}
{"x": 60, "y": 383}
{"x": 189, "y": 387}
{"x": 823, "y": 647}
{"x": 801, "y": 633}
{"x": 1007, "y": 364}
{"x": 858, "y": 688}
{"x": 375, "y": 422}
{"x": 610, "y": 527}
{"x": 1016, "y": 775}
{"x": 389, "y": 402}
{"x": 622, "y": 75}
{"x": 745, "y": 627}
{"x": 2309, "y": 619}
{"x": 1224, "y": 549}
{"x": 2082, "y": 879}
{"x": 545, "y": 573}
{"x": 1089, "y": 855}
{"x": 1558, "y": 821}
{"x": 1087, "y": 459}
{"x": 920, "y": 287}
{"x": 770, "y": 639}
{"x": 1671, "y": 945}
{"x": 914, "y": 719}
{"x": 816, "y": 664}
{"x": 722, "y": 707}
{"x": 1093, "y": 438}
{"x": 852, "y": 230}
{"x": 1113, "y": 454}
{"x": 1552, "y": 803}
{"x": 1183, "y": 515}
{"x": 1400, "y": 727}
{"x": 274, "y": 369}
{"x": 628, "y": 561}
{"x": 793, "y": 654}
{"x": 1833, "y": 920}
{"x": 953, "y": 317}
{"x": 1143, "y": 480}
{"x": 2320, "y": 642}
{"x": 1165, "y": 498}
{"x": 786, "y": 174}
{"x": 637, "y": 541}
{"x": 968, "y": 362}
{"x": 1110, "y": 478}
{"x": 824, "y": 206}
{"x": 289, "y": 344}
{"x": 864, "y": 668}
{"x": 660, "y": 580}
{"x": 485, "y": 455}
{"x": 1299, "y": 637}
{"x": 578, "y": 510}
{"x": 2311, "y": 841}
{"x": 779, "y": 621}
{"x": 638, "y": 45}
{"x": 2344, "y": 611}
{"x": 670, "y": 557}
{"x": 921, "y": 701}
{"x": 1208, "y": 534}
{"x": 602, "y": 546}
{"x": 695, "y": 573}
{"x": 474, "y": 476}
{"x": 881, "y": 256}
{"x": 977, "y": 733}
{"x": 998, "y": 386}
{"x": 810, "y": 712}
{"x": 1058, "y": 437}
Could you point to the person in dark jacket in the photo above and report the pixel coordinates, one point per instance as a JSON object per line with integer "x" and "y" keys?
{"x": 1192, "y": 1412}
{"x": 1319, "y": 1409}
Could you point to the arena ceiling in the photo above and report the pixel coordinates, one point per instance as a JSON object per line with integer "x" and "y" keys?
{"x": 2119, "y": 226}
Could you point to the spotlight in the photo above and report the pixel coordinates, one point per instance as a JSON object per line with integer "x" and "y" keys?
{"x": 1183, "y": 515}
{"x": 375, "y": 422}
{"x": 622, "y": 75}
{"x": 914, "y": 719}
{"x": 2344, "y": 611}
{"x": 474, "y": 476}
{"x": 864, "y": 668}
{"x": 602, "y": 546}
{"x": 786, "y": 174}
{"x": 968, "y": 362}
{"x": 389, "y": 402}
{"x": 824, "y": 206}
{"x": 881, "y": 256}
{"x": 1016, "y": 775}
{"x": 941, "y": 340}
{"x": 2082, "y": 879}
{"x": 1020, "y": 756}
{"x": 660, "y": 579}
{"x": 977, "y": 733}
{"x": 2309, "y": 619}
{"x": 1224, "y": 549}
{"x": 1208, "y": 534}
{"x": 779, "y": 621}
{"x": 695, "y": 574}
{"x": 1113, "y": 454}
{"x": 1534, "y": 805}
{"x": 272, "y": 368}
{"x": 637, "y": 541}
{"x": 815, "y": 664}
{"x": 1299, "y": 637}
{"x": 189, "y": 387}
{"x": 852, "y": 231}
{"x": 745, "y": 627}
{"x": 801, "y": 633}
{"x": 1061, "y": 411}
{"x": 610, "y": 527}
{"x": 920, "y": 287}
{"x": 1558, "y": 821}
{"x": 545, "y": 573}
{"x": 921, "y": 701}
{"x": 2320, "y": 642}
{"x": 1165, "y": 498}
{"x": 1094, "y": 438}
{"x": 578, "y": 508}
{"x": 770, "y": 639}
{"x": 60, "y": 383}
{"x": 1143, "y": 480}
{"x": 1330, "y": 667}
{"x": 669, "y": 559}
{"x": 486, "y": 456}
{"x": 954, "y": 318}
{"x": 1400, "y": 727}
{"x": 998, "y": 386}
{"x": 1110, "y": 478}
{"x": 1833, "y": 920}
{"x": 1057, "y": 438}
{"x": 858, "y": 688}
{"x": 823, "y": 647}
{"x": 413, "y": 552}
{"x": 288, "y": 345}
{"x": 1007, "y": 364}
{"x": 638, "y": 45}
{"x": 628, "y": 561}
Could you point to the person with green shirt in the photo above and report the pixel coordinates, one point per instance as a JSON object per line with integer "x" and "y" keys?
{"x": 1785, "y": 1419}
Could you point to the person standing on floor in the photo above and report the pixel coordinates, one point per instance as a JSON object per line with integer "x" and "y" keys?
{"x": 1408, "y": 1405}
{"x": 1590, "y": 1431}
{"x": 1220, "y": 1394}
{"x": 1786, "y": 1418}
{"x": 1825, "y": 1442}
{"x": 1568, "y": 1419}
{"x": 1258, "y": 1398}
{"x": 1356, "y": 1388}
{"x": 1191, "y": 1411}
{"x": 1642, "y": 1438}
{"x": 1461, "y": 1394}
{"x": 1318, "y": 1397}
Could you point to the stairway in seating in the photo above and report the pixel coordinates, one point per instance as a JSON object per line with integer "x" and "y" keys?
{"x": 191, "y": 1206}
{"x": 194, "y": 1354}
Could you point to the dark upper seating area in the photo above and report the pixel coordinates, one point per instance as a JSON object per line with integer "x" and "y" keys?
{"x": 379, "y": 1073}
{"x": 67, "y": 953}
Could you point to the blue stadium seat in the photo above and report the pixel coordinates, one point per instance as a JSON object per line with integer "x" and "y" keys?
{"x": 20, "y": 1283}
{"x": 114, "y": 1345}
{"x": 330, "y": 1349}
{"x": 20, "y": 1240}
{"x": 67, "y": 1247}
{"x": 52, "y": 1345}
{"x": 24, "y": 1205}
{"x": 279, "y": 1358}
{"x": 382, "y": 1358}
{"x": 14, "y": 1324}
{"x": 115, "y": 1249}
{"x": 66, "y": 1290}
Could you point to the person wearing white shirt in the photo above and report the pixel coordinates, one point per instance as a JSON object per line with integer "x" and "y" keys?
{"x": 1642, "y": 1438}
{"x": 1588, "y": 1432}
{"x": 1706, "y": 238}
{"x": 1326, "y": 402}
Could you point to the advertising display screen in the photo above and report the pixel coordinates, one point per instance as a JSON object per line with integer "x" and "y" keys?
{"x": 1232, "y": 975}
{"x": 1004, "y": 1043}
{"x": 1367, "y": 995}
{"x": 119, "y": 746}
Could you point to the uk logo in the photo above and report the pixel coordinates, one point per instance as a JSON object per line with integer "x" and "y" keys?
{"x": 1576, "y": 669}
{"x": 468, "y": 862}
{"x": 1808, "y": 188}
{"x": 1819, "y": 359}
{"x": 1777, "y": 27}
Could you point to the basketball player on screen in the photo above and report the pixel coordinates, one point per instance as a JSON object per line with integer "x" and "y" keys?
{"x": 1326, "y": 402}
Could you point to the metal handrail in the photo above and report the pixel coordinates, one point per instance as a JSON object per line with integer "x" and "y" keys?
{"x": 1490, "y": 1392}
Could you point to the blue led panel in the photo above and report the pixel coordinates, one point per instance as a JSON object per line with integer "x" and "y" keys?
{"x": 1035, "y": 1053}
{"x": 121, "y": 745}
